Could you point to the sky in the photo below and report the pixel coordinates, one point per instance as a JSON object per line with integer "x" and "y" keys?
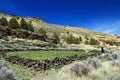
{"x": 97, "y": 15}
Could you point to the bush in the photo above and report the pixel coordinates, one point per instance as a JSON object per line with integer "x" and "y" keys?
{"x": 13, "y": 23}
{"x": 3, "y": 64}
{"x": 94, "y": 62}
{"x": 5, "y": 73}
{"x": 79, "y": 69}
{"x": 113, "y": 56}
{"x": 103, "y": 57}
{"x": 72, "y": 40}
{"x": 93, "y": 41}
{"x": 3, "y": 21}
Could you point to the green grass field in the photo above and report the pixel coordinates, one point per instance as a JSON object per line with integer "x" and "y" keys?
{"x": 40, "y": 55}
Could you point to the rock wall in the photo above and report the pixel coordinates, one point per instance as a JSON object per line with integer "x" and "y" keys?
{"x": 45, "y": 64}
{"x": 21, "y": 34}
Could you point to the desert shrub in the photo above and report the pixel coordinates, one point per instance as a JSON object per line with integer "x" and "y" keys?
{"x": 94, "y": 62}
{"x": 3, "y": 64}
{"x": 5, "y": 73}
{"x": 13, "y": 23}
{"x": 103, "y": 57}
{"x": 113, "y": 56}
{"x": 79, "y": 69}
{"x": 109, "y": 56}
{"x": 3, "y": 21}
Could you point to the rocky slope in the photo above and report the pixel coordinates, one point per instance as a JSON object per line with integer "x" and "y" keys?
{"x": 64, "y": 30}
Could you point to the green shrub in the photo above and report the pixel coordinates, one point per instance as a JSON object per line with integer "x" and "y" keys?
{"x": 3, "y": 21}
{"x": 72, "y": 40}
{"x": 93, "y": 41}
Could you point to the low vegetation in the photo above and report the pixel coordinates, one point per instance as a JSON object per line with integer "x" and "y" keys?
{"x": 39, "y": 55}
{"x": 104, "y": 67}
{"x": 5, "y": 72}
{"x": 72, "y": 40}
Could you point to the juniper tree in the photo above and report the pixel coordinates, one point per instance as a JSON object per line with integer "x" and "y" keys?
{"x": 3, "y": 21}
{"x": 13, "y": 23}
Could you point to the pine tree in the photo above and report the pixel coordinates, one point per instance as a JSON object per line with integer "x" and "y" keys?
{"x": 13, "y": 23}
{"x": 3, "y": 21}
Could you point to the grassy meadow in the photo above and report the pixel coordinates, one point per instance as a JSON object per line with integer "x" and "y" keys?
{"x": 40, "y": 55}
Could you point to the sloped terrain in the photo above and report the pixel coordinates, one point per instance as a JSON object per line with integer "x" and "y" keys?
{"x": 63, "y": 30}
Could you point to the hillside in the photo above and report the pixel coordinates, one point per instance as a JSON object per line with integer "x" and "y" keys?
{"x": 64, "y": 31}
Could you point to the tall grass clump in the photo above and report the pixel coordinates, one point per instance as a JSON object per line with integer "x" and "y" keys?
{"x": 79, "y": 68}
{"x": 5, "y": 73}
{"x": 94, "y": 62}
